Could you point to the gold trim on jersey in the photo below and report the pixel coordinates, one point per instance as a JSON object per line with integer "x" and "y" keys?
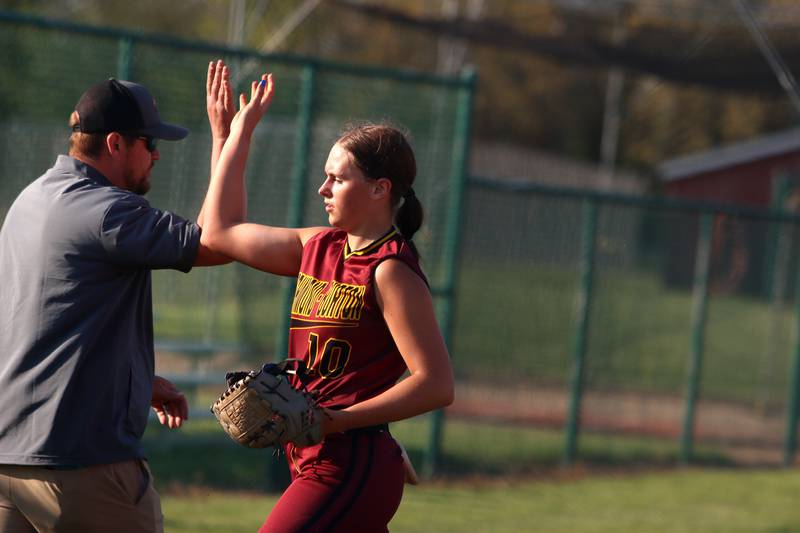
{"x": 348, "y": 253}
{"x": 320, "y": 324}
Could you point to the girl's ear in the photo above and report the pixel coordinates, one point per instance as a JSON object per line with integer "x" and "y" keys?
{"x": 381, "y": 188}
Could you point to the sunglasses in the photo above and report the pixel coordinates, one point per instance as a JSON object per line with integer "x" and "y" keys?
{"x": 151, "y": 143}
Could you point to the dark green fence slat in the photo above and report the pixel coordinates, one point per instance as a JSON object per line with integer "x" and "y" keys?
{"x": 699, "y": 313}
{"x": 790, "y": 438}
{"x": 581, "y": 339}
{"x": 299, "y": 185}
{"x": 458, "y": 177}
{"x": 125, "y": 60}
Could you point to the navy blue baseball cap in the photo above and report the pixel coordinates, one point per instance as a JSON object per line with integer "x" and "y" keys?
{"x": 124, "y": 107}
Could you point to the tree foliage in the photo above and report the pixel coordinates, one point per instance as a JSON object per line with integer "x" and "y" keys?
{"x": 693, "y": 77}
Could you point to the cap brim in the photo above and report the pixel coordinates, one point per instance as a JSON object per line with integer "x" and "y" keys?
{"x": 168, "y": 132}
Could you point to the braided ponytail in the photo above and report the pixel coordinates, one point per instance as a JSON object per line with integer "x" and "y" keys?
{"x": 409, "y": 218}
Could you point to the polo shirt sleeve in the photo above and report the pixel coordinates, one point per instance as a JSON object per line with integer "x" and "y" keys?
{"x": 136, "y": 235}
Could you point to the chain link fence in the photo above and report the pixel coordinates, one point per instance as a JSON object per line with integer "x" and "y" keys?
{"x": 582, "y": 325}
{"x": 646, "y": 325}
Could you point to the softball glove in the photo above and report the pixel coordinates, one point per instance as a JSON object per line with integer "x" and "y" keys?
{"x": 260, "y": 409}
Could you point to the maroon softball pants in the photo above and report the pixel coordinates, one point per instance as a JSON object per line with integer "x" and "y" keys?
{"x": 352, "y": 481}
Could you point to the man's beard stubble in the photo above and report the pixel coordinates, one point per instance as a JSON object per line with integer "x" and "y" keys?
{"x": 140, "y": 186}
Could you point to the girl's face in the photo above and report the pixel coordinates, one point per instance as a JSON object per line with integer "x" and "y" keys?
{"x": 346, "y": 192}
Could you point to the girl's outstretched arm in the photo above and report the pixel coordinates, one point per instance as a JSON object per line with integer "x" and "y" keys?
{"x": 225, "y": 231}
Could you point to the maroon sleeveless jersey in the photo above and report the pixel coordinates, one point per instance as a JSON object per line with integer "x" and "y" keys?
{"x": 337, "y": 327}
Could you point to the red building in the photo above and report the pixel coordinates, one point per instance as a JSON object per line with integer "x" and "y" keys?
{"x": 742, "y": 173}
{"x": 762, "y": 173}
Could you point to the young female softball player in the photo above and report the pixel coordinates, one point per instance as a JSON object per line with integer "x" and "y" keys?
{"x": 362, "y": 314}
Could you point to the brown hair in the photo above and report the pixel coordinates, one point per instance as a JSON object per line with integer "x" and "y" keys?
{"x": 382, "y": 151}
{"x": 88, "y": 144}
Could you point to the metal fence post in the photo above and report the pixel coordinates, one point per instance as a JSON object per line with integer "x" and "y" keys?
{"x": 458, "y": 178}
{"x": 297, "y": 194}
{"x": 583, "y": 310}
{"x": 699, "y": 311}
{"x": 777, "y": 266}
{"x": 781, "y": 189}
{"x": 790, "y": 439}
{"x": 125, "y": 58}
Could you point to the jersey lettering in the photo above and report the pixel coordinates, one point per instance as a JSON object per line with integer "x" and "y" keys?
{"x": 307, "y": 294}
{"x": 342, "y": 301}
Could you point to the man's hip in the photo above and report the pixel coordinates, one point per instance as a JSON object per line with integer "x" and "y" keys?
{"x": 117, "y": 497}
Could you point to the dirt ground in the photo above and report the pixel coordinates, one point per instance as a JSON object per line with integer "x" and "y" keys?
{"x": 748, "y": 435}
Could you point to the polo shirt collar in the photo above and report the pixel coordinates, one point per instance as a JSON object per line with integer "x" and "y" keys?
{"x": 69, "y": 164}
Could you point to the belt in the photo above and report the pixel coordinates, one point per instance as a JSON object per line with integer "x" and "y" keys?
{"x": 46, "y": 467}
{"x": 63, "y": 467}
{"x": 368, "y": 429}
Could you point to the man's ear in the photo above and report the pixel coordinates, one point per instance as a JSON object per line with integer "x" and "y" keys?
{"x": 114, "y": 142}
{"x": 381, "y": 188}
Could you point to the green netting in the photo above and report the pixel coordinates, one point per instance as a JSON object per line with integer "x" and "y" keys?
{"x": 520, "y": 285}
{"x": 517, "y": 334}
{"x": 46, "y": 68}
{"x": 516, "y": 281}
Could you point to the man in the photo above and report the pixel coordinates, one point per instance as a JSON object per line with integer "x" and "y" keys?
{"x": 76, "y": 328}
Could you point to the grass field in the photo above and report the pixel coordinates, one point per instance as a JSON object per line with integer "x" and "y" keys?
{"x": 702, "y": 501}
{"x": 518, "y": 322}
{"x": 495, "y": 479}
{"x": 501, "y": 477}
{"x": 639, "y": 335}
{"x": 200, "y": 454}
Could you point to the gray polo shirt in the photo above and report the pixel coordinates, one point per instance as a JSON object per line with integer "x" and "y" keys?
{"x": 76, "y": 320}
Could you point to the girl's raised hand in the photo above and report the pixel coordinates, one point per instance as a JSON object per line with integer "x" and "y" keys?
{"x": 261, "y": 93}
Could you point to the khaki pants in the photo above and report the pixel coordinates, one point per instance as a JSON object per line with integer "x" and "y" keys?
{"x": 117, "y": 498}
